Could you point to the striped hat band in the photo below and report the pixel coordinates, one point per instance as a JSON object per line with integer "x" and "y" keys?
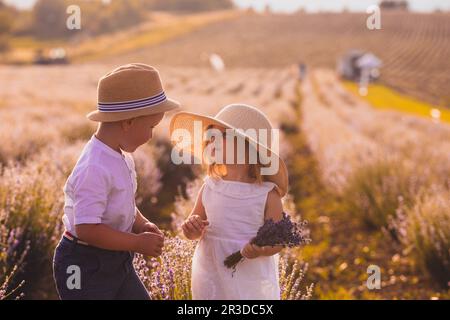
{"x": 132, "y": 105}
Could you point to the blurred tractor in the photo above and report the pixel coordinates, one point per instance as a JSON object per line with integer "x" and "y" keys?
{"x": 52, "y": 57}
{"x": 359, "y": 66}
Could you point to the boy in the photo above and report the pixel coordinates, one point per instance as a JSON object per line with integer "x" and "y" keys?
{"x": 103, "y": 225}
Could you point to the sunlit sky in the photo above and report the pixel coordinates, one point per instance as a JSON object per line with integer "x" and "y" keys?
{"x": 309, "y": 5}
{"x": 337, "y": 5}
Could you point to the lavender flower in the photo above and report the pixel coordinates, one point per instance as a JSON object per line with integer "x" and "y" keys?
{"x": 168, "y": 276}
{"x": 284, "y": 233}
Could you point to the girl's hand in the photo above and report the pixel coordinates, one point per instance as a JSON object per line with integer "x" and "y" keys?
{"x": 252, "y": 251}
{"x": 194, "y": 226}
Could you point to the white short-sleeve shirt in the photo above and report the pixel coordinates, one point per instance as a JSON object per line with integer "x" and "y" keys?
{"x": 101, "y": 189}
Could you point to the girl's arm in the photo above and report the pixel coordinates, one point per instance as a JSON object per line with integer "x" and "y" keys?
{"x": 274, "y": 211}
{"x": 196, "y": 222}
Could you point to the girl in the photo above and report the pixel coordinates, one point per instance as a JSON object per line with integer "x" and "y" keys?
{"x": 232, "y": 205}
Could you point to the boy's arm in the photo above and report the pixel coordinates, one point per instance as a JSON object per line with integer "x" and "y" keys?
{"x": 142, "y": 224}
{"x": 104, "y": 237}
{"x": 91, "y": 191}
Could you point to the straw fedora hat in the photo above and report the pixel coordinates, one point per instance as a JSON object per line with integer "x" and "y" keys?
{"x": 239, "y": 118}
{"x": 130, "y": 91}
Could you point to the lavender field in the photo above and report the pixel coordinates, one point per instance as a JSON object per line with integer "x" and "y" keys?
{"x": 374, "y": 183}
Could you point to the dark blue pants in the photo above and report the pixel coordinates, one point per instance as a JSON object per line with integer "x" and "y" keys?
{"x": 88, "y": 273}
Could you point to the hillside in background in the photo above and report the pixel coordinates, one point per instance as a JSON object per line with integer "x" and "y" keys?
{"x": 188, "y": 5}
{"x": 415, "y": 48}
{"x": 47, "y": 18}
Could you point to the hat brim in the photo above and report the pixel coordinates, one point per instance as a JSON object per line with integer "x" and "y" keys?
{"x": 185, "y": 120}
{"x": 165, "y": 106}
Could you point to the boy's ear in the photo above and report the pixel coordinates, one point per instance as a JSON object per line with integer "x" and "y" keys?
{"x": 157, "y": 118}
{"x": 127, "y": 123}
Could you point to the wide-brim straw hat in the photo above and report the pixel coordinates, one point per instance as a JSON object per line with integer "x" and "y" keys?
{"x": 130, "y": 91}
{"x": 239, "y": 118}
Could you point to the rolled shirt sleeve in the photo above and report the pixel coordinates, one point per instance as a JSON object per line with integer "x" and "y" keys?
{"x": 91, "y": 190}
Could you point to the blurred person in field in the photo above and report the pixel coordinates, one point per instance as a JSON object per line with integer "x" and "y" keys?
{"x": 237, "y": 196}
{"x": 94, "y": 258}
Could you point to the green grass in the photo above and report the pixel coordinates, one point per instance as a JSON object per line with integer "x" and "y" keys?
{"x": 382, "y": 97}
{"x": 27, "y": 42}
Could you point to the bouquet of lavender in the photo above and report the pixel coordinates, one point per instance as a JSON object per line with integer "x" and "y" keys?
{"x": 285, "y": 232}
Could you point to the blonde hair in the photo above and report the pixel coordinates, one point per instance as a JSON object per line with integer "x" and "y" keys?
{"x": 217, "y": 171}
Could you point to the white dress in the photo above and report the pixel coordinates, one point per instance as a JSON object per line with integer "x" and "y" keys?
{"x": 235, "y": 211}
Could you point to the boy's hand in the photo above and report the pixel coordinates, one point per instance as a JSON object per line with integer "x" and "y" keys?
{"x": 194, "y": 226}
{"x": 149, "y": 227}
{"x": 150, "y": 244}
{"x": 252, "y": 251}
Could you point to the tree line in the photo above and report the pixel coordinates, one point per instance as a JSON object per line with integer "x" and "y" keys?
{"x": 47, "y": 19}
